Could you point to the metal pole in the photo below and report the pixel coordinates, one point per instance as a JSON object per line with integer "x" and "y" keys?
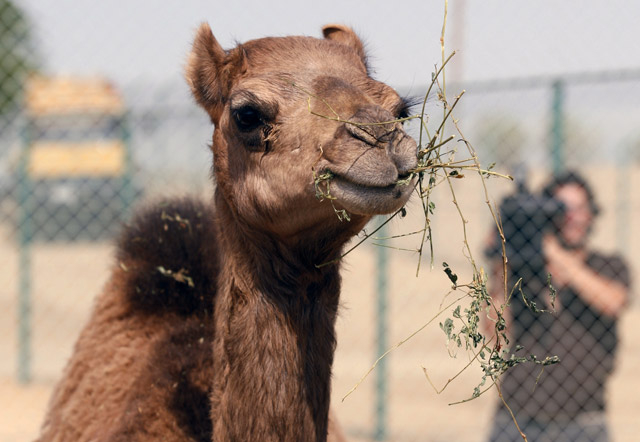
{"x": 24, "y": 270}
{"x": 381, "y": 339}
{"x": 623, "y": 198}
{"x": 557, "y": 135}
{"x": 127, "y": 190}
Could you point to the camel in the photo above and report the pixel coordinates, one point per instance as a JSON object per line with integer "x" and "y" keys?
{"x": 218, "y": 322}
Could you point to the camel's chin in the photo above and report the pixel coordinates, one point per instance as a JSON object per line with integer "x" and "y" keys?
{"x": 359, "y": 199}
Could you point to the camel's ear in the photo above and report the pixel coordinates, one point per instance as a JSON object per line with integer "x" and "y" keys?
{"x": 204, "y": 71}
{"x": 345, "y": 35}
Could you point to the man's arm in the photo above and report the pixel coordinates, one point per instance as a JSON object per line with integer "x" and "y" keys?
{"x": 568, "y": 268}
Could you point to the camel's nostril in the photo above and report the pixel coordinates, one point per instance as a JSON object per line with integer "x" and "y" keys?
{"x": 373, "y": 125}
{"x": 363, "y": 133}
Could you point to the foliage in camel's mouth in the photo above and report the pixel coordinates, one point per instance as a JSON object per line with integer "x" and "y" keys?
{"x": 438, "y": 163}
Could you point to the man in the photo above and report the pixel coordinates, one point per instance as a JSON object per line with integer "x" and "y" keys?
{"x": 564, "y": 402}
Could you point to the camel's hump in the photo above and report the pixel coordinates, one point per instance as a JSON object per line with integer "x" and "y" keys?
{"x": 168, "y": 256}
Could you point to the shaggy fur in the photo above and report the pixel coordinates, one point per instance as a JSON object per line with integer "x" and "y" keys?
{"x": 169, "y": 254}
{"x": 148, "y": 342}
{"x": 218, "y": 322}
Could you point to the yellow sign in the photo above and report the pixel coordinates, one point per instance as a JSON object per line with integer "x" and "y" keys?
{"x": 86, "y": 159}
{"x": 64, "y": 95}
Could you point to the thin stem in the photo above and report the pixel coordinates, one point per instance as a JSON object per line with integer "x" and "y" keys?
{"x": 513, "y": 417}
{"x": 444, "y": 77}
{"x": 394, "y": 248}
{"x": 447, "y": 113}
{"x": 358, "y": 123}
{"x": 399, "y": 344}
{"x": 382, "y": 238}
{"x": 426, "y": 96}
{"x": 430, "y": 149}
{"x": 462, "y": 370}
{"x": 319, "y": 266}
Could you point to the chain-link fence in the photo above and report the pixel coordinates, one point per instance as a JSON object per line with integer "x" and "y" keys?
{"x": 77, "y": 153}
{"x": 531, "y": 128}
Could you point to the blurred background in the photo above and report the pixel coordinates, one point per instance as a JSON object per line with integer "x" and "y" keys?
{"x": 95, "y": 119}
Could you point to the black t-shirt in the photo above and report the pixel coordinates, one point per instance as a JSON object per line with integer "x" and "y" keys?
{"x": 584, "y": 340}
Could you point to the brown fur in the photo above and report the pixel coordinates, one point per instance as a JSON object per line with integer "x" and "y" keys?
{"x": 218, "y": 323}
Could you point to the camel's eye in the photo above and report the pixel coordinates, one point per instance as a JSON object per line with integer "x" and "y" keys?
{"x": 254, "y": 119}
{"x": 247, "y": 118}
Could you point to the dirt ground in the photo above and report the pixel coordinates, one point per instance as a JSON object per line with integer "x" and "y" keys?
{"x": 65, "y": 277}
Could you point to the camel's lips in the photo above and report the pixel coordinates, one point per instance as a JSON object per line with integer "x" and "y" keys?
{"x": 367, "y": 181}
{"x": 370, "y": 199}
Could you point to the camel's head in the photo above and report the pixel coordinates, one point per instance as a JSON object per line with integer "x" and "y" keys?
{"x": 302, "y": 130}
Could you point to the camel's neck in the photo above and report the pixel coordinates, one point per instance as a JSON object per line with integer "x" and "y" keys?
{"x": 274, "y": 340}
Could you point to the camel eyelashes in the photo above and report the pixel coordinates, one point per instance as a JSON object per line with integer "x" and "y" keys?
{"x": 403, "y": 108}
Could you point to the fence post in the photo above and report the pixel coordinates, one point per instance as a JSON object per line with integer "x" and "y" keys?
{"x": 25, "y": 200}
{"x": 557, "y": 135}
{"x": 381, "y": 338}
{"x": 623, "y": 197}
{"x": 127, "y": 191}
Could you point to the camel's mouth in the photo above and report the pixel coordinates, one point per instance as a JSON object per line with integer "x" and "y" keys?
{"x": 372, "y": 180}
{"x": 364, "y": 195}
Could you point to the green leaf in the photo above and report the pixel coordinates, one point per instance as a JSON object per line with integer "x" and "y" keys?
{"x": 447, "y": 327}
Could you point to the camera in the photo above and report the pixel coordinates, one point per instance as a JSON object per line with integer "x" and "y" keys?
{"x": 526, "y": 218}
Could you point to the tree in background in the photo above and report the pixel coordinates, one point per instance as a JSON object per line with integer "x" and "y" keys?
{"x": 17, "y": 57}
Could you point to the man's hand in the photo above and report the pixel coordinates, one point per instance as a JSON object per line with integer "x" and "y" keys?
{"x": 564, "y": 265}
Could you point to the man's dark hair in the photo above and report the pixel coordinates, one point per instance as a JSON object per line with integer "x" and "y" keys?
{"x": 571, "y": 177}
